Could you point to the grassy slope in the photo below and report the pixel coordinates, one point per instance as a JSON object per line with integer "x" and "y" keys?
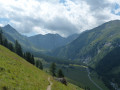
{"x": 16, "y": 73}
{"x": 79, "y": 76}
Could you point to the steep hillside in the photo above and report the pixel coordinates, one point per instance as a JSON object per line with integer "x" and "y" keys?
{"x": 16, "y": 73}
{"x": 109, "y": 67}
{"x": 11, "y": 34}
{"x": 91, "y": 46}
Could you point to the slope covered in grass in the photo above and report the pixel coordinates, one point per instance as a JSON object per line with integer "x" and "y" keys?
{"x": 91, "y": 46}
{"x": 16, "y": 73}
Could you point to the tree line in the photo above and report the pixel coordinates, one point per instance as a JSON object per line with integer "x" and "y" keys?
{"x": 52, "y": 70}
{"x": 16, "y": 47}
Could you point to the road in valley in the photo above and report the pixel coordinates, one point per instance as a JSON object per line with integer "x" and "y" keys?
{"x": 92, "y": 80}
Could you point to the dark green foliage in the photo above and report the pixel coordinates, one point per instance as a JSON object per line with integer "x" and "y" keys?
{"x": 87, "y": 88}
{"x": 58, "y": 60}
{"x": 5, "y": 43}
{"x": 53, "y": 69}
{"x": 18, "y": 48}
{"x": 11, "y": 47}
{"x": 60, "y": 73}
{"x": 108, "y": 63}
{"x": 29, "y": 57}
{"x": 1, "y": 37}
{"x": 39, "y": 64}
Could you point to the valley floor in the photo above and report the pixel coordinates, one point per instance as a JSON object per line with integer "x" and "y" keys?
{"x": 92, "y": 80}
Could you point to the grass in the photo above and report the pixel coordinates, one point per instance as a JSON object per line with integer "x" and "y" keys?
{"x": 18, "y": 74}
{"x": 78, "y": 75}
{"x": 59, "y": 86}
{"x": 97, "y": 80}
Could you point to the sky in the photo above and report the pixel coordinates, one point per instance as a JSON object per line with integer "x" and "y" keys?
{"x": 64, "y": 17}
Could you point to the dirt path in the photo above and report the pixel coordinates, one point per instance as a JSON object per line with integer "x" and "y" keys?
{"x": 92, "y": 80}
{"x": 49, "y": 86}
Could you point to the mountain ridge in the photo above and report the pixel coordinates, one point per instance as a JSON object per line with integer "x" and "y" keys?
{"x": 38, "y": 43}
{"x": 91, "y": 42}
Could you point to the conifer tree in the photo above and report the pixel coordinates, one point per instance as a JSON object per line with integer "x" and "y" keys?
{"x": 5, "y": 43}
{"x": 11, "y": 47}
{"x": 32, "y": 60}
{"x": 29, "y": 57}
{"x": 60, "y": 73}
{"x": 18, "y": 49}
{"x": 1, "y": 37}
{"x": 53, "y": 69}
{"x": 39, "y": 64}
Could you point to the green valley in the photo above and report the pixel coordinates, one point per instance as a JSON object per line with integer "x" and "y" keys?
{"x": 59, "y": 44}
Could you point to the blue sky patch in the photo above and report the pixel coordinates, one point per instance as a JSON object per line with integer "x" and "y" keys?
{"x": 62, "y": 1}
{"x": 4, "y": 20}
{"x": 117, "y": 6}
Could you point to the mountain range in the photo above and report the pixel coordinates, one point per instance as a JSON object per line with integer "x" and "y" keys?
{"x": 92, "y": 45}
{"x": 37, "y": 43}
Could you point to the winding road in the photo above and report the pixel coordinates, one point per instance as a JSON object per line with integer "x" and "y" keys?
{"x": 92, "y": 80}
{"x": 49, "y": 86}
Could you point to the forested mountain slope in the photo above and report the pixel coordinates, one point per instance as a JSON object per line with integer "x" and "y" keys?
{"x": 91, "y": 46}
{"x": 109, "y": 67}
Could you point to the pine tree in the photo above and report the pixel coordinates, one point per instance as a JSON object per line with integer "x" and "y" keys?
{"x": 18, "y": 49}
{"x": 39, "y": 64}
{"x": 32, "y": 60}
{"x": 29, "y": 57}
{"x": 5, "y": 43}
{"x": 60, "y": 73}
{"x": 53, "y": 69}
{"x": 1, "y": 37}
{"x": 11, "y": 47}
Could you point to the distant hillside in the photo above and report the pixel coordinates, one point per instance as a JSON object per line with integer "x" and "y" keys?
{"x": 51, "y": 41}
{"x": 91, "y": 46}
{"x": 37, "y": 43}
{"x": 16, "y": 73}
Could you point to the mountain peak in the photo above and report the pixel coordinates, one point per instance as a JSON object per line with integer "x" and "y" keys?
{"x": 9, "y": 28}
{"x": 8, "y": 25}
{"x": 50, "y": 34}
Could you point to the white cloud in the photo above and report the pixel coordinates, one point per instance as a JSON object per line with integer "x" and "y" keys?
{"x": 50, "y": 16}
